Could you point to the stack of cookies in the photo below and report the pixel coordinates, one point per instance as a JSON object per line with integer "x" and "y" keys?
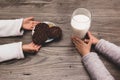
{"x": 43, "y": 32}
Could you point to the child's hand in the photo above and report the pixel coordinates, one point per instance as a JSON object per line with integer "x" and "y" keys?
{"x": 82, "y": 46}
{"x": 29, "y": 23}
{"x": 31, "y": 48}
{"x": 93, "y": 38}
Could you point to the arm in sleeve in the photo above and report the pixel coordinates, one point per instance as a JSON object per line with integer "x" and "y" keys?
{"x": 110, "y": 50}
{"x": 11, "y": 51}
{"x": 95, "y": 67}
{"x": 11, "y": 27}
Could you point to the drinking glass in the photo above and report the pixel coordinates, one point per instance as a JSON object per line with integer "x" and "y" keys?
{"x": 80, "y": 22}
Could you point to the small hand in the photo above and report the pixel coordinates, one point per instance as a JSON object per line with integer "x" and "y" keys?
{"x": 31, "y": 47}
{"x": 83, "y": 47}
{"x": 93, "y": 38}
{"x": 29, "y": 23}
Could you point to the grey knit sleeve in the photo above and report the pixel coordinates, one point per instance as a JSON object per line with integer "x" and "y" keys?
{"x": 110, "y": 50}
{"x": 95, "y": 67}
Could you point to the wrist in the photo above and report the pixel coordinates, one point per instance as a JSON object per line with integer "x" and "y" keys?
{"x": 96, "y": 41}
{"x": 23, "y": 24}
{"x": 23, "y": 48}
{"x": 85, "y": 53}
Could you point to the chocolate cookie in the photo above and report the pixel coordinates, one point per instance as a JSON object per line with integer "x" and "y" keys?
{"x": 54, "y": 32}
{"x": 40, "y": 33}
{"x": 42, "y": 26}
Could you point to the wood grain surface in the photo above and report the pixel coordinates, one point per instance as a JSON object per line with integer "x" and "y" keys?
{"x": 59, "y": 60}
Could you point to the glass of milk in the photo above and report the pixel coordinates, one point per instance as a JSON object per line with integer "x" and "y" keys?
{"x": 80, "y": 22}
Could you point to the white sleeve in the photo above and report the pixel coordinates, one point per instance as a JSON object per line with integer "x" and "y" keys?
{"x": 11, "y": 51}
{"x": 11, "y": 27}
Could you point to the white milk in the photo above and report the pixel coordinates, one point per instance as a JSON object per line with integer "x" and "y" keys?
{"x": 80, "y": 25}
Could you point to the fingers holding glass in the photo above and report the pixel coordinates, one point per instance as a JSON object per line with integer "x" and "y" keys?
{"x": 82, "y": 47}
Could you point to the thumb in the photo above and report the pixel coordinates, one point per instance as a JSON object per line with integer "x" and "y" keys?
{"x": 90, "y": 42}
{"x": 30, "y": 18}
{"x": 89, "y": 34}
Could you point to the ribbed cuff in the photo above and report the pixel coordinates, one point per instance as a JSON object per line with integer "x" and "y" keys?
{"x": 100, "y": 44}
{"x": 21, "y": 54}
{"x": 19, "y": 23}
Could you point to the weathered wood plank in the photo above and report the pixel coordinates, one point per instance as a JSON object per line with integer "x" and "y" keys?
{"x": 54, "y": 9}
{"x": 78, "y": 3}
{"x": 57, "y": 65}
{"x": 53, "y": 63}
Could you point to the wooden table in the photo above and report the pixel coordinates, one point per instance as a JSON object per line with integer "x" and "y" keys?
{"x": 59, "y": 60}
